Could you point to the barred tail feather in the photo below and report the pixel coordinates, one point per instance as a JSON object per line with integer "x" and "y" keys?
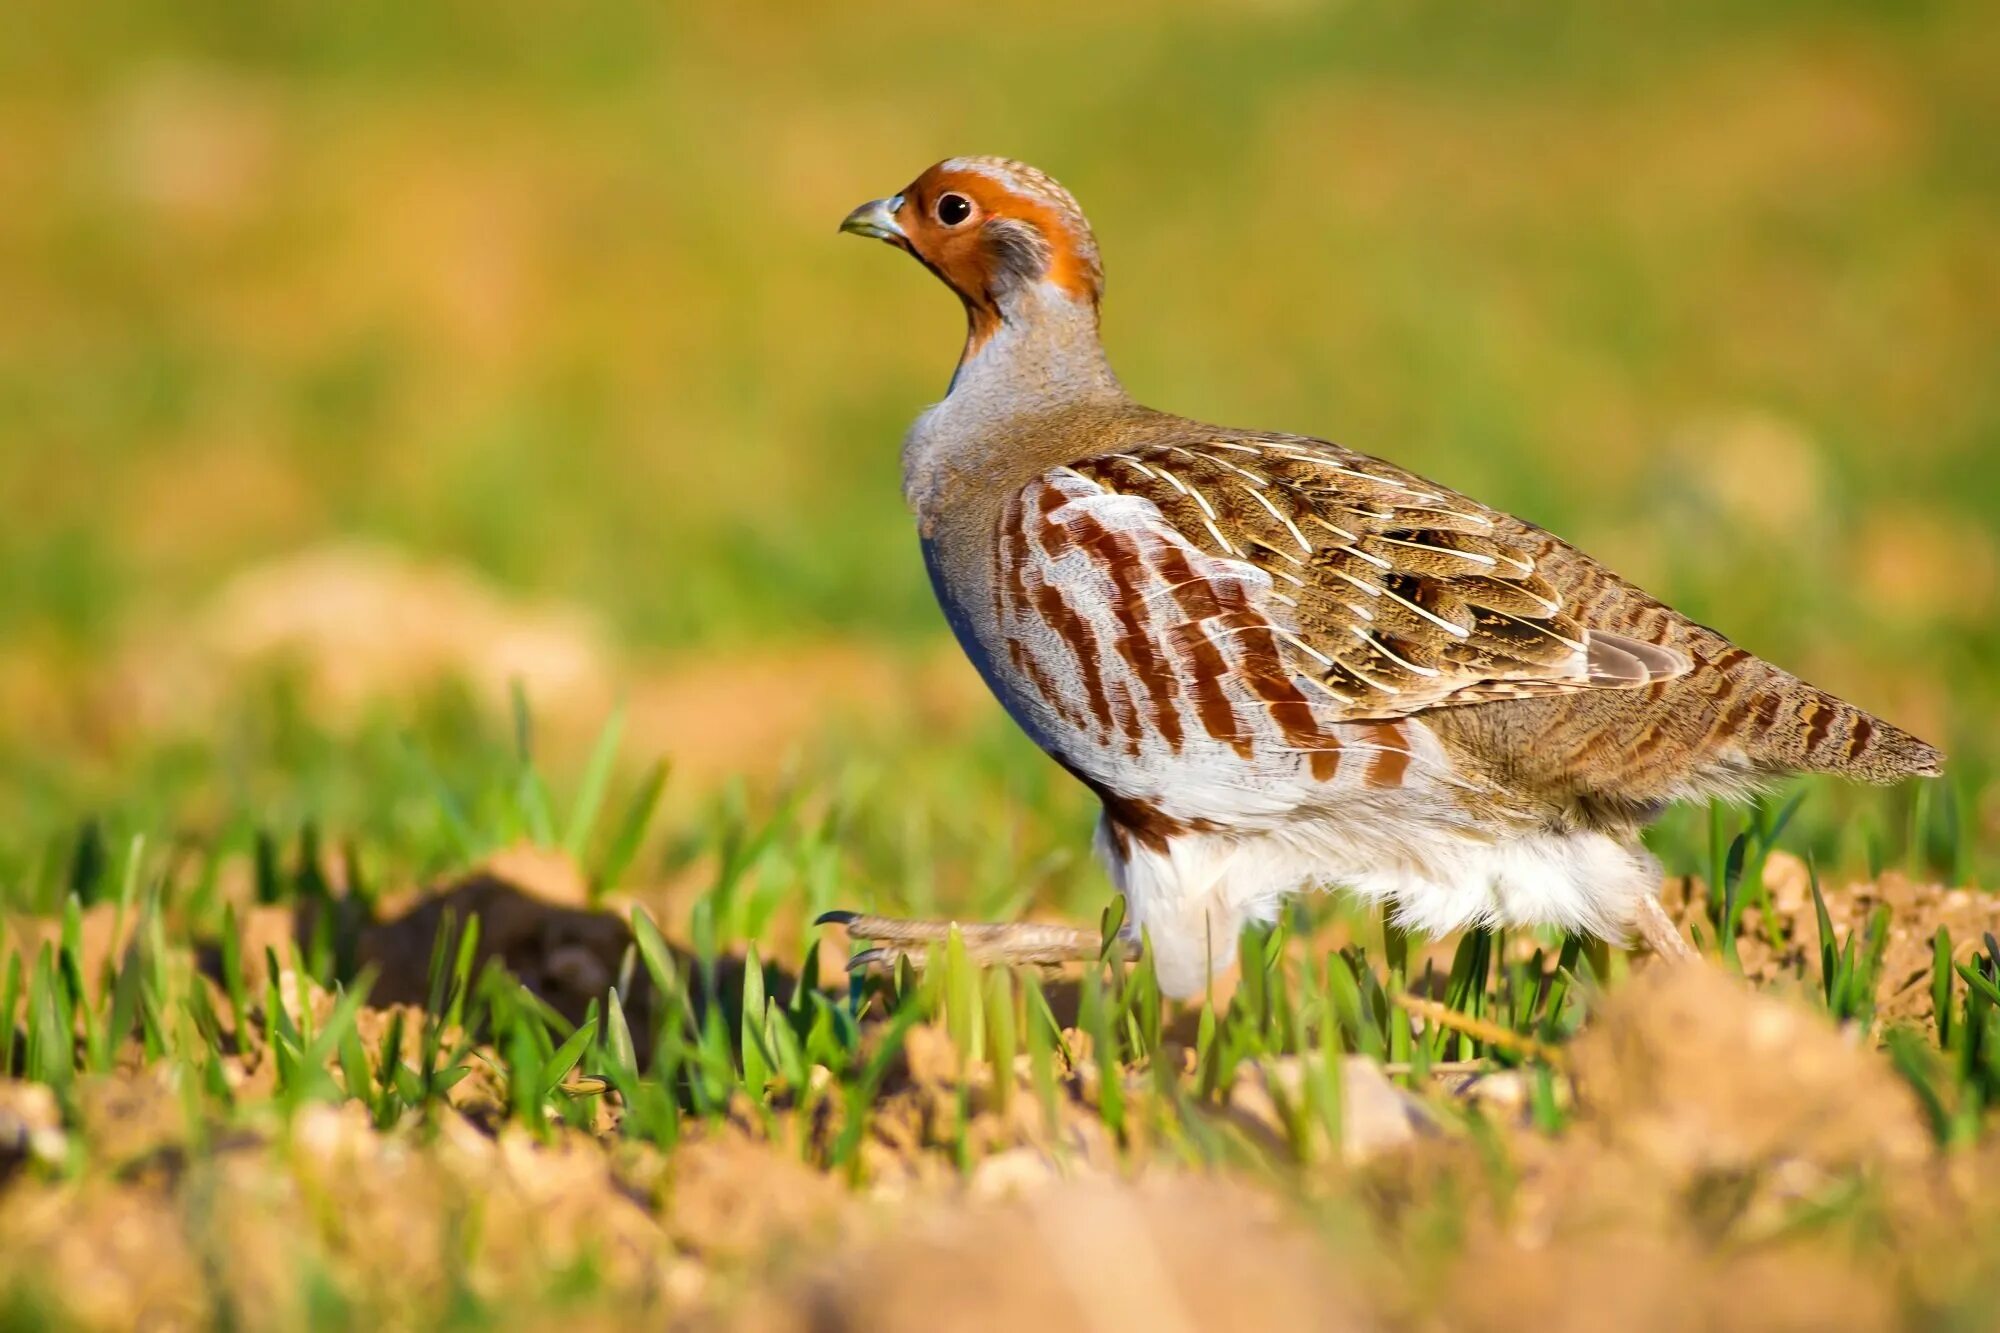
{"x": 1808, "y": 730}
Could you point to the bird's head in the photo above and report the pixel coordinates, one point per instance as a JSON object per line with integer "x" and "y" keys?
{"x": 998, "y": 232}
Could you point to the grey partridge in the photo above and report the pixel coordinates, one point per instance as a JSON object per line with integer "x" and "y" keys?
{"x": 1284, "y": 665}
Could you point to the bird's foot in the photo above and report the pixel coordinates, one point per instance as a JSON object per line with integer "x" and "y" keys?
{"x": 1660, "y": 933}
{"x": 1005, "y": 942}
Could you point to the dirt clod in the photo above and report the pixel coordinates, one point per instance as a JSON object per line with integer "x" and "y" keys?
{"x": 1173, "y": 1254}
{"x": 1696, "y": 1073}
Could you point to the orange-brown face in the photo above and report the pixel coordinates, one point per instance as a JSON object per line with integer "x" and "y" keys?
{"x": 987, "y": 226}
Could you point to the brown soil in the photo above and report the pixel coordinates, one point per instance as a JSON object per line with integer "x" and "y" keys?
{"x": 1711, "y": 1119}
{"x": 1169, "y": 1252}
{"x": 1917, "y": 911}
{"x": 430, "y": 623}
{"x": 1731, "y": 1161}
{"x": 1700, "y": 1076}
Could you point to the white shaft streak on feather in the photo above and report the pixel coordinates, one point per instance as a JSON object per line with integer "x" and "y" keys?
{"x": 1216, "y": 533}
{"x": 1141, "y": 468}
{"x": 1325, "y": 688}
{"x": 1367, "y": 679}
{"x": 1539, "y": 628}
{"x": 1375, "y": 560}
{"x": 1362, "y": 584}
{"x": 1335, "y": 529}
{"x": 1457, "y": 631}
{"x": 1244, "y": 473}
{"x": 1548, "y": 604}
{"x": 1161, "y": 474}
{"x": 1191, "y": 492}
{"x": 1170, "y": 589}
{"x": 1231, "y": 631}
{"x": 1276, "y": 554}
{"x": 1473, "y": 556}
{"x": 1272, "y": 510}
{"x": 1385, "y": 650}
{"x": 1480, "y": 519}
{"x": 1207, "y": 510}
{"x": 1322, "y": 461}
{"x": 1212, "y": 461}
{"x": 1304, "y": 647}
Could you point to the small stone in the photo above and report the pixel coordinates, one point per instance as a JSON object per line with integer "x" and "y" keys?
{"x": 1375, "y": 1115}
{"x": 1013, "y": 1174}
{"x": 30, "y": 1126}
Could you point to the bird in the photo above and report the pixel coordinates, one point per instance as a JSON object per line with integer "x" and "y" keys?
{"x": 1283, "y": 665}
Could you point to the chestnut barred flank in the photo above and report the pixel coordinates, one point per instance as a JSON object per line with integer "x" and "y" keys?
{"x": 1282, "y": 664}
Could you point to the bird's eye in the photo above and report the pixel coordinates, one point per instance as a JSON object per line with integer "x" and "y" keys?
{"x": 953, "y": 209}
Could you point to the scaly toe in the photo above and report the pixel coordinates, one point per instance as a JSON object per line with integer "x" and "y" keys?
{"x": 884, "y": 957}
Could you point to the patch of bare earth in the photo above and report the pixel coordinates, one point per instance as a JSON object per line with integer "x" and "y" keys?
{"x": 358, "y": 624}
{"x": 1731, "y": 1160}
{"x": 1720, "y": 1133}
{"x": 1169, "y": 1252}
{"x": 1917, "y": 910}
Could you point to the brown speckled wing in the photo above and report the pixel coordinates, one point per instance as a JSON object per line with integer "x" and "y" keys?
{"x": 1394, "y": 595}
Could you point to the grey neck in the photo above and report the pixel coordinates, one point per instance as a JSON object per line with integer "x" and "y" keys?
{"x": 1043, "y": 357}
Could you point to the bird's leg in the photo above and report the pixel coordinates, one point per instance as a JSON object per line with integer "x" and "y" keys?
{"x": 1662, "y": 936}
{"x": 1009, "y": 942}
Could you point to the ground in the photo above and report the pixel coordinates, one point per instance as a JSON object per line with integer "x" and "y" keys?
{"x": 566, "y": 1113}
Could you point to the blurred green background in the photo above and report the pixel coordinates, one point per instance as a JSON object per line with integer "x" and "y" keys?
{"x": 358, "y": 359}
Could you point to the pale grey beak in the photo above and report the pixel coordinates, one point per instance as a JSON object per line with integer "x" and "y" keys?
{"x": 876, "y": 218}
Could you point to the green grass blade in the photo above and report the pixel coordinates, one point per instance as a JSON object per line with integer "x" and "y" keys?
{"x": 457, "y": 824}
{"x": 1912, "y": 1061}
{"x": 624, "y": 845}
{"x": 535, "y": 808}
{"x": 10, "y": 1000}
{"x": 750, "y": 1039}
{"x": 1978, "y": 982}
{"x": 846, "y": 1153}
{"x": 1829, "y": 949}
{"x": 596, "y": 779}
{"x": 960, "y": 987}
{"x": 558, "y": 1065}
{"x": 1002, "y": 1035}
{"x": 234, "y": 983}
{"x": 654, "y": 953}
{"x": 618, "y": 1048}
{"x": 461, "y": 972}
{"x": 1941, "y": 987}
